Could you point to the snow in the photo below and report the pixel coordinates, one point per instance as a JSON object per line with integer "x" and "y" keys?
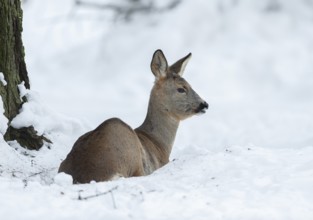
{"x": 2, "y": 80}
{"x": 249, "y": 157}
{"x": 3, "y": 119}
{"x": 63, "y": 179}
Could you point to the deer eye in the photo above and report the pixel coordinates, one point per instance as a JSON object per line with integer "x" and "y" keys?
{"x": 181, "y": 90}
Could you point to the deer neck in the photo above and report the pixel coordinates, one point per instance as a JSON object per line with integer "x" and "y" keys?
{"x": 160, "y": 127}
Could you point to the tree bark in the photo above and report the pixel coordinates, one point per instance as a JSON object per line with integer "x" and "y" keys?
{"x": 13, "y": 67}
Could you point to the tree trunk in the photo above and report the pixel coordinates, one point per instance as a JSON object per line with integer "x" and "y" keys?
{"x": 13, "y": 67}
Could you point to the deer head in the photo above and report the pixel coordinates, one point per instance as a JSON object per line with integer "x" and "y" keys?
{"x": 171, "y": 92}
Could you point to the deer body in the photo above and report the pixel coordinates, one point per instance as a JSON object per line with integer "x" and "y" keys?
{"x": 114, "y": 149}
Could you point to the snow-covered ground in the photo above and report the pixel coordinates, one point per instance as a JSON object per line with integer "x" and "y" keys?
{"x": 249, "y": 157}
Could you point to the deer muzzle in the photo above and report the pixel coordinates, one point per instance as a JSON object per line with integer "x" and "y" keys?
{"x": 202, "y": 107}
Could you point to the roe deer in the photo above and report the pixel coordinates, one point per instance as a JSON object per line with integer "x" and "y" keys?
{"x": 114, "y": 149}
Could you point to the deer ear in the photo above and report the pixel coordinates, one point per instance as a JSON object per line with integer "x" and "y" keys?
{"x": 159, "y": 64}
{"x": 180, "y": 65}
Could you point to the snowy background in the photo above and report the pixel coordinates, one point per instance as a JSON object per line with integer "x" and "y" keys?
{"x": 249, "y": 157}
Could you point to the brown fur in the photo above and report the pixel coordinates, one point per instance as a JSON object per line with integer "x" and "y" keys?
{"x": 114, "y": 149}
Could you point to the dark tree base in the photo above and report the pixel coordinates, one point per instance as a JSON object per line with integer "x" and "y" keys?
{"x": 26, "y": 137}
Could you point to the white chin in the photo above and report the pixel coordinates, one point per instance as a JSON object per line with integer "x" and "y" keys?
{"x": 200, "y": 112}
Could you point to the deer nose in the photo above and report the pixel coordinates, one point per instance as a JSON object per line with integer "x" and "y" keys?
{"x": 202, "y": 107}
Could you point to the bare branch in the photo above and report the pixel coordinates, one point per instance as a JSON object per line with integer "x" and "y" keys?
{"x": 113, "y": 199}
{"x": 128, "y": 10}
{"x": 99, "y": 194}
